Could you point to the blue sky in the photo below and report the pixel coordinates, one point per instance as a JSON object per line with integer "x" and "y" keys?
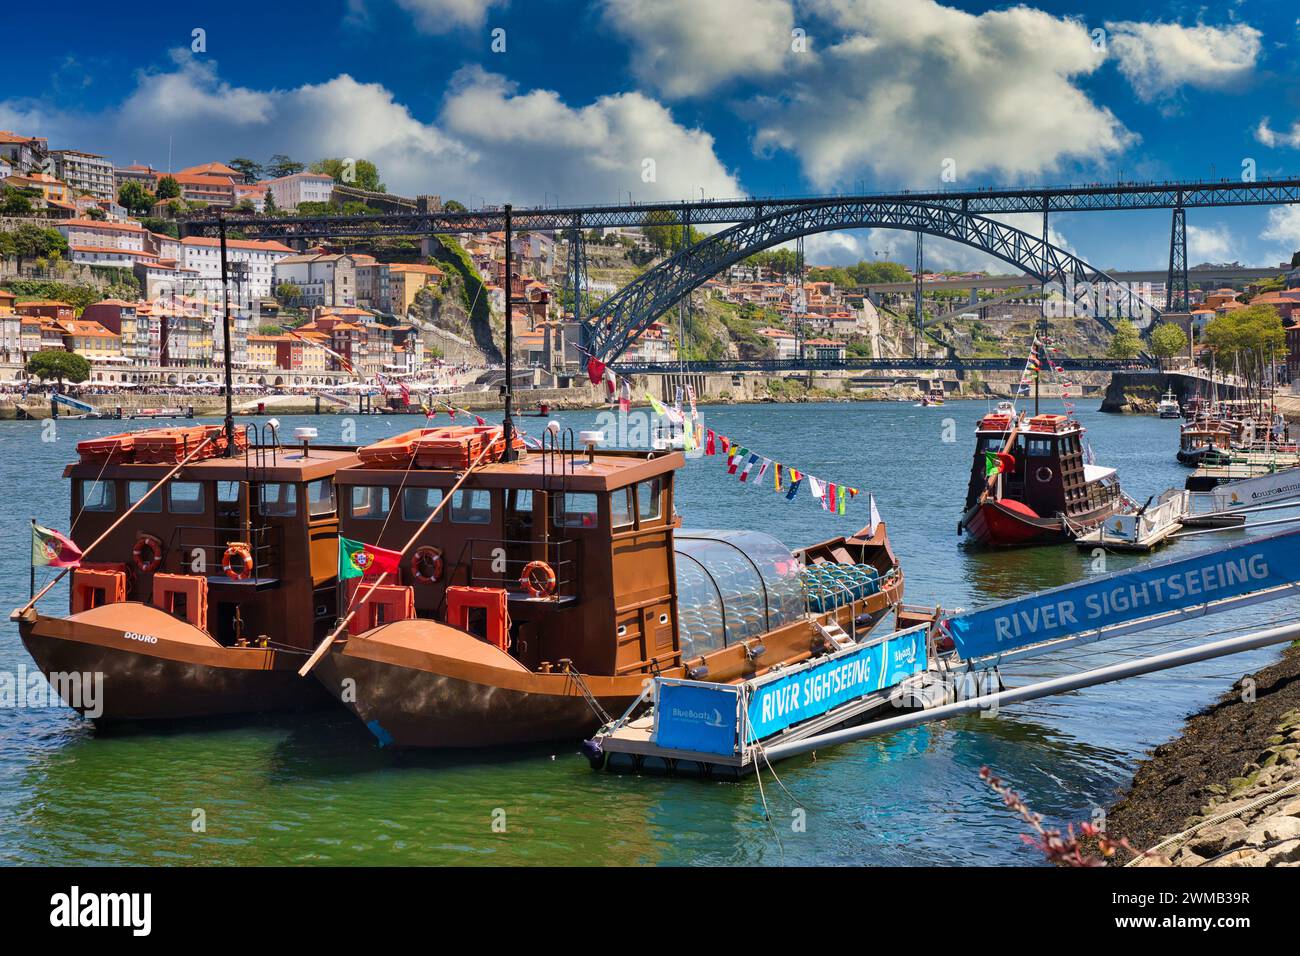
{"x": 723, "y": 96}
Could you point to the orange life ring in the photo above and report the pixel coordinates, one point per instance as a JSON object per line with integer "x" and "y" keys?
{"x": 148, "y": 553}
{"x": 528, "y": 581}
{"x": 426, "y": 565}
{"x": 237, "y": 550}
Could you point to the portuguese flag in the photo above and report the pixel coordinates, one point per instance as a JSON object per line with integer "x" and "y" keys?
{"x": 996, "y": 463}
{"x": 53, "y": 550}
{"x": 357, "y": 558}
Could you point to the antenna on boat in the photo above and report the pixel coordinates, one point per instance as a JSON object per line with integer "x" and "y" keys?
{"x": 1040, "y": 330}
{"x": 508, "y": 426}
{"x": 225, "y": 336}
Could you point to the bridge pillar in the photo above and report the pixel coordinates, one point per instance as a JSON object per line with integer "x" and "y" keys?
{"x": 916, "y": 294}
{"x": 1176, "y": 288}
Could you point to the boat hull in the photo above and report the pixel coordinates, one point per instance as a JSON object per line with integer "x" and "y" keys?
{"x": 992, "y": 523}
{"x": 410, "y": 707}
{"x": 152, "y": 669}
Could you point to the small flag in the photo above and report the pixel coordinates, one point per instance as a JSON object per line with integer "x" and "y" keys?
{"x": 710, "y": 442}
{"x": 625, "y": 397}
{"x": 595, "y": 370}
{"x": 778, "y": 476}
{"x": 357, "y": 558}
{"x": 762, "y": 468}
{"x": 794, "y": 485}
{"x": 744, "y": 474}
{"x": 874, "y": 521}
{"x": 50, "y": 549}
{"x": 843, "y": 495}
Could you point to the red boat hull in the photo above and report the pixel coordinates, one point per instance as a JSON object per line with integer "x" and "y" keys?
{"x": 993, "y": 523}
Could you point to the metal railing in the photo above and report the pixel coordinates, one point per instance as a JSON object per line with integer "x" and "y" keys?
{"x": 484, "y": 562}
{"x": 206, "y": 545}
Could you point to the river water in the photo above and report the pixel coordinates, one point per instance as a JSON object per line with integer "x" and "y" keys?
{"x": 317, "y": 789}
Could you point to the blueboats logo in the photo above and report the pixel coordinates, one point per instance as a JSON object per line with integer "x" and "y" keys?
{"x": 713, "y": 719}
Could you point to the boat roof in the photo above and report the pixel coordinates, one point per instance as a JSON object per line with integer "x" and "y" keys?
{"x": 287, "y": 464}
{"x": 605, "y": 471}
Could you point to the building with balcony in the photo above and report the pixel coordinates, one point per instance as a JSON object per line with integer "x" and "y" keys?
{"x": 85, "y": 172}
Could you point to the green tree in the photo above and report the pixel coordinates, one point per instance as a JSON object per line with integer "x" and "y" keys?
{"x": 452, "y": 205}
{"x": 361, "y": 173}
{"x": 1125, "y": 343}
{"x": 250, "y": 169}
{"x": 15, "y": 203}
{"x": 59, "y": 365}
{"x": 1168, "y": 340}
{"x": 169, "y": 188}
{"x": 282, "y": 165}
{"x": 287, "y": 292}
{"x": 135, "y": 198}
{"x": 1246, "y": 337}
{"x": 270, "y": 208}
{"x": 31, "y": 241}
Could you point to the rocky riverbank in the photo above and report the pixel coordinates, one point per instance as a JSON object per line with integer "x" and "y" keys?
{"x": 1229, "y": 786}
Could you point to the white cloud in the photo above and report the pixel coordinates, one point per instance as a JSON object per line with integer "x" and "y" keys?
{"x": 490, "y": 139}
{"x": 1158, "y": 58}
{"x": 1210, "y": 244}
{"x": 899, "y": 94}
{"x": 444, "y": 16}
{"x": 688, "y": 47}
{"x": 1283, "y": 227}
{"x": 1272, "y": 138}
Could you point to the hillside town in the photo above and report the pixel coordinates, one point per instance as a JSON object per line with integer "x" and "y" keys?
{"x": 145, "y": 304}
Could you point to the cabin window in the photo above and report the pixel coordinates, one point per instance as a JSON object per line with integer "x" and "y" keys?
{"x": 1038, "y": 448}
{"x": 577, "y": 510}
{"x": 185, "y": 497}
{"x": 135, "y": 490}
{"x": 418, "y": 503}
{"x": 519, "y": 506}
{"x": 228, "y": 492}
{"x": 471, "y": 507}
{"x": 320, "y": 498}
{"x": 279, "y": 499}
{"x": 620, "y": 508}
{"x": 371, "y": 503}
{"x": 648, "y": 498}
{"x": 98, "y": 496}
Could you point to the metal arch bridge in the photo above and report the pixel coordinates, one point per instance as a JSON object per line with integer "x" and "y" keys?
{"x": 617, "y": 322}
{"x": 918, "y": 365}
{"x": 424, "y": 218}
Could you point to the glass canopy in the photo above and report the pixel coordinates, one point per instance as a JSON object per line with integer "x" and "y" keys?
{"x": 731, "y": 586}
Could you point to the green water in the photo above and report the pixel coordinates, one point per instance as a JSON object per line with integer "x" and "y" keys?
{"x": 317, "y": 789}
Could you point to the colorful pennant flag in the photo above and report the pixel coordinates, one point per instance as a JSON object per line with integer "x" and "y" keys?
{"x": 51, "y": 549}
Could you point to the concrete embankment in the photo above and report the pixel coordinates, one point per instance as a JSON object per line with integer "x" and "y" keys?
{"x": 1226, "y": 792}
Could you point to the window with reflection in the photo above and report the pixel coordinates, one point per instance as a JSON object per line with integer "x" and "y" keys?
{"x": 649, "y": 495}
{"x": 370, "y": 502}
{"x": 135, "y": 490}
{"x": 185, "y": 497}
{"x": 98, "y": 496}
{"x": 577, "y": 509}
{"x": 320, "y": 498}
{"x": 278, "y": 499}
{"x": 418, "y": 503}
{"x": 620, "y": 507}
{"x": 471, "y": 507}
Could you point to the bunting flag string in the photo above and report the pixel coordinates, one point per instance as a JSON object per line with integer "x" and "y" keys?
{"x": 753, "y": 468}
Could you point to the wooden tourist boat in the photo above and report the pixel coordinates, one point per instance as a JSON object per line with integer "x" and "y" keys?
{"x": 206, "y": 594}
{"x": 536, "y": 596}
{"x": 1029, "y": 483}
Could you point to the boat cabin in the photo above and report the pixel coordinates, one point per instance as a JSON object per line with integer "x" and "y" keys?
{"x": 243, "y": 547}
{"x": 544, "y": 556}
{"x": 1042, "y": 466}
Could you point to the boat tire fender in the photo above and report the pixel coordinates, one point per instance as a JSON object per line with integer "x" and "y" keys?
{"x": 237, "y": 562}
{"x": 148, "y": 553}
{"x": 1043, "y": 474}
{"x": 538, "y": 579}
{"x": 426, "y": 565}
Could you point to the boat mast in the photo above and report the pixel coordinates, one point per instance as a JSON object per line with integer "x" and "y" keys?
{"x": 225, "y": 336}
{"x": 508, "y": 426}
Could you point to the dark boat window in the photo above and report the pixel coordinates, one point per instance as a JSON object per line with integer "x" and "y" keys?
{"x": 185, "y": 497}
{"x": 320, "y": 498}
{"x": 577, "y": 510}
{"x": 370, "y": 502}
{"x": 992, "y": 442}
{"x": 278, "y": 499}
{"x": 620, "y": 507}
{"x": 135, "y": 490}
{"x": 1039, "y": 447}
{"x": 519, "y": 504}
{"x": 98, "y": 496}
{"x": 228, "y": 492}
{"x": 418, "y": 502}
{"x": 471, "y": 507}
{"x": 648, "y": 497}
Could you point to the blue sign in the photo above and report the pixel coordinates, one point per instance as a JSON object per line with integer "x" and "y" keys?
{"x": 1123, "y": 596}
{"x": 694, "y": 716}
{"x": 815, "y": 688}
